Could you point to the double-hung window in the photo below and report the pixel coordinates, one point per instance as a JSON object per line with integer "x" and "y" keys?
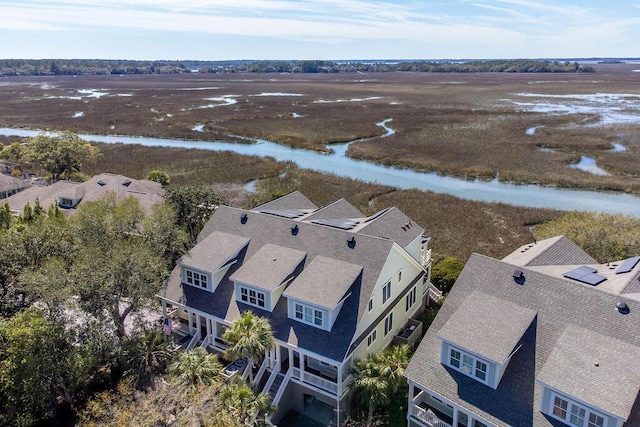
{"x": 573, "y": 413}
{"x": 386, "y": 292}
{"x": 410, "y": 299}
{"x": 252, "y": 297}
{"x": 371, "y": 338}
{"x": 196, "y": 279}
{"x": 309, "y": 315}
{"x": 388, "y": 324}
{"x": 468, "y": 364}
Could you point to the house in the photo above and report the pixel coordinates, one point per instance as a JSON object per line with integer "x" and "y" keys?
{"x": 10, "y": 183}
{"x": 68, "y": 194}
{"x": 335, "y": 284}
{"x": 544, "y": 337}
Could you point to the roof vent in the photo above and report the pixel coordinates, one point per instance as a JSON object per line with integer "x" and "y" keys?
{"x": 126, "y": 182}
{"x": 518, "y": 277}
{"x": 101, "y": 183}
{"x": 243, "y": 217}
{"x": 294, "y": 229}
{"x": 351, "y": 242}
{"x": 622, "y": 307}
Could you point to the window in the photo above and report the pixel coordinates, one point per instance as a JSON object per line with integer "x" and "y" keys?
{"x": 196, "y": 279}
{"x": 468, "y": 364}
{"x": 309, "y": 315}
{"x": 252, "y": 297}
{"x": 400, "y": 276}
{"x": 386, "y": 292}
{"x": 574, "y": 414}
{"x": 477, "y": 423}
{"x": 370, "y": 304}
{"x": 410, "y": 299}
{"x": 371, "y": 338}
{"x": 388, "y": 324}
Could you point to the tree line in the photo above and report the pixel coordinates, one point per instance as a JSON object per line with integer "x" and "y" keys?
{"x": 54, "y": 67}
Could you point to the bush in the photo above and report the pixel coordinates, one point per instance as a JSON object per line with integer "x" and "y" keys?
{"x": 445, "y": 272}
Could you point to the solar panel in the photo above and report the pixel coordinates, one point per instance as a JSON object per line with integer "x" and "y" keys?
{"x": 284, "y": 213}
{"x": 586, "y": 275}
{"x": 343, "y": 224}
{"x": 628, "y": 265}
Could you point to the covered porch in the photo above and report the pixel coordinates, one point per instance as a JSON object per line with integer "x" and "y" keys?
{"x": 434, "y": 411}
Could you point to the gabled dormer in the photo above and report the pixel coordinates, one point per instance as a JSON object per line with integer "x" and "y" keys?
{"x": 262, "y": 278}
{"x": 317, "y": 295}
{"x": 590, "y": 379}
{"x": 208, "y": 262}
{"x": 480, "y": 338}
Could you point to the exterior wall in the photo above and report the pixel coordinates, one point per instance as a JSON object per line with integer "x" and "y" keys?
{"x": 414, "y": 247}
{"x": 267, "y": 295}
{"x": 291, "y": 313}
{"x": 396, "y": 261}
{"x": 545, "y": 406}
{"x": 219, "y": 275}
{"x": 492, "y": 368}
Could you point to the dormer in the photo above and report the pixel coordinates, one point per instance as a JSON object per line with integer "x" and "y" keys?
{"x": 480, "y": 338}
{"x": 71, "y": 198}
{"x": 207, "y": 263}
{"x": 316, "y": 296}
{"x": 261, "y": 279}
{"x": 590, "y": 379}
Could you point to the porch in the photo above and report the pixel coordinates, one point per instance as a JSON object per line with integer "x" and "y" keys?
{"x": 409, "y": 334}
{"x": 432, "y": 411}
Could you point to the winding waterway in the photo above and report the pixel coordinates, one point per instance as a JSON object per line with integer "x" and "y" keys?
{"x": 339, "y": 164}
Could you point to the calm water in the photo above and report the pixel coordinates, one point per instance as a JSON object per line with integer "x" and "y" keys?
{"x": 339, "y": 164}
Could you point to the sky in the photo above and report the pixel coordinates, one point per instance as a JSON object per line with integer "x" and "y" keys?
{"x": 318, "y": 29}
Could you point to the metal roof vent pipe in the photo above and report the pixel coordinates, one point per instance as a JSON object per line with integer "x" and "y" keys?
{"x": 622, "y": 307}
{"x": 518, "y": 277}
{"x": 294, "y": 229}
{"x": 243, "y": 218}
{"x": 351, "y": 242}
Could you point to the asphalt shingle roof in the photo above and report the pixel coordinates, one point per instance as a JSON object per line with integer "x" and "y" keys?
{"x": 394, "y": 225}
{"x": 295, "y": 200}
{"x": 338, "y": 209}
{"x": 269, "y": 266}
{"x": 560, "y": 303}
{"x": 554, "y": 251}
{"x": 324, "y": 282}
{"x": 214, "y": 251}
{"x": 503, "y": 325}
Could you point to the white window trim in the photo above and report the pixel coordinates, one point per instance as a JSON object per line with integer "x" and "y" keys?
{"x": 371, "y": 339}
{"x": 571, "y": 403}
{"x": 196, "y": 276}
{"x": 257, "y": 294}
{"x": 386, "y": 292}
{"x": 388, "y": 324}
{"x": 370, "y": 306}
{"x": 400, "y": 275}
{"x": 474, "y": 365}
{"x": 314, "y": 313}
{"x": 410, "y": 299}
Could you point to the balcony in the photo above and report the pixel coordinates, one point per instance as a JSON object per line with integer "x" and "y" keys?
{"x": 409, "y": 334}
{"x": 427, "y": 417}
{"x": 430, "y": 411}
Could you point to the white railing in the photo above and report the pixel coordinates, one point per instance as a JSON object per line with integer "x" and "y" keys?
{"x": 434, "y": 293}
{"x": 270, "y": 381}
{"x": 295, "y": 373}
{"x": 261, "y": 371}
{"x": 206, "y": 341}
{"x": 321, "y": 383}
{"x": 194, "y": 341}
{"x": 429, "y": 419}
{"x": 345, "y": 384}
{"x": 280, "y": 392}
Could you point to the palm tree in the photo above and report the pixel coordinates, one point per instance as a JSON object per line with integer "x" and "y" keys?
{"x": 148, "y": 356}
{"x": 392, "y": 363}
{"x": 245, "y": 407}
{"x": 250, "y": 337}
{"x": 371, "y": 387}
{"x": 196, "y": 367}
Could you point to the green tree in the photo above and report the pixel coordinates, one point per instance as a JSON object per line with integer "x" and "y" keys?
{"x": 6, "y": 218}
{"x": 392, "y": 363}
{"x": 33, "y": 361}
{"x": 445, "y": 272}
{"x": 161, "y": 232}
{"x": 196, "y": 367}
{"x": 249, "y": 337}
{"x": 158, "y": 176}
{"x": 246, "y": 407}
{"x": 604, "y": 237}
{"x": 370, "y": 386}
{"x": 14, "y": 152}
{"x": 194, "y": 205}
{"x": 58, "y": 154}
{"x": 147, "y": 356}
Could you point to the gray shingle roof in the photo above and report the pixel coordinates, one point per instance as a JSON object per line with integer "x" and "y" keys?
{"x": 338, "y": 209}
{"x": 214, "y": 251}
{"x": 503, "y": 325}
{"x": 148, "y": 193}
{"x": 554, "y": 251}
{"x": 295, "y": 200}
{"x": 394, "y": 225}
{"x": 269, "y": 266}
{"x": 560, "y": 303}
{"x": 324, "y": 282}
{"x": 598, "y": 369}
{"x": 368, "y": 252}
